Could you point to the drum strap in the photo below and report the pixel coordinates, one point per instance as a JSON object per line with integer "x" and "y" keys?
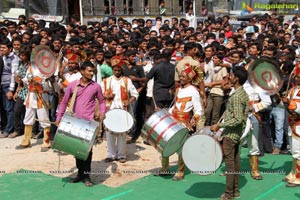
{"x": 37, "y": 89}
{"x": 124, "y": 91}
{"x": 73, "y": 99}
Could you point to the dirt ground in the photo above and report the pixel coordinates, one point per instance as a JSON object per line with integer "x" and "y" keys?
{"x": 141, "y": 161}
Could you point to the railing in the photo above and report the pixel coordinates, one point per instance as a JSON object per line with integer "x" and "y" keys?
{"x": 120, "y": 11}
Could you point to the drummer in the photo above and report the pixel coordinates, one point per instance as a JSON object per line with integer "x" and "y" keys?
{"x": 84, "y": 107}
{"x": 37, "y": 103}
{"x": 119, "y": 92}
{"x": 188, "y": 110}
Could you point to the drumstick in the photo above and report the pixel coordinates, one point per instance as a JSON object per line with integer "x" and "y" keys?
{"x": 289, "y": 81}
{"x": 221, "y": 118}
{"x": 155, "y": 105}
{"x": 43, "y": 121}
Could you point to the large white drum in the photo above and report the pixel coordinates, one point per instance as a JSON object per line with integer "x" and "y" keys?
{"x": 202, "y": 154}
{"x": 118, "y": 121}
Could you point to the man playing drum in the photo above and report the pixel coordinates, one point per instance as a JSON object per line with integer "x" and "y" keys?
{"x": 293, "y": 106}
{"x": 36, "y": 103}
{"x": 259, "y": 105}
{"x": 119, "y": 93}
{"x": 84, "y": 108}
{"x": 190, "y": 50}
{"x": 235, "y": 118}
{"x": 188, "y": 110}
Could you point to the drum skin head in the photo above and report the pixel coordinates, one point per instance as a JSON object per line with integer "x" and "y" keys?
{"x": 43, "y": 58}
{"x": 118, "y": 121}
{"x": 202, "y": 154}
{"x": 265, "y": 76}
{"x": 175, "y": 142}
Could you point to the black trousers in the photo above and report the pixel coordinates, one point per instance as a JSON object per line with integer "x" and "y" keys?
{"x": 19, "y": 110}
{"x": 84, "y": 166}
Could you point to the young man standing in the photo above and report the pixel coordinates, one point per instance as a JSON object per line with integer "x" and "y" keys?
{"x": 235, "y": 118}
{"x": 84, "y": 107}
{"x": 292, "y": 103}
{"x": 10, "y": 65}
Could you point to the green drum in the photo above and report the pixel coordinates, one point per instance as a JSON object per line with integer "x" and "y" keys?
{"x": 75, "y": 136}
{"x": 163, "y": 132}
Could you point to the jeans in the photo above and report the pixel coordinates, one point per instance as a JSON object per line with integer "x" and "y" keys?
{"x": 8, "y": 105}
{"x": 232, "y": 163}
{"x": 278, "y": 114}
{"x": 53, "y": 99}
{"x": 19, "y": 116}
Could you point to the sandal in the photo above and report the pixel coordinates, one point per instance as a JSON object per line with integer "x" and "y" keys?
{"x": 76, "y": 179}
{"x": 259, "y": 177}
{"x": 256, "y": 175}
{"x": 88, "y": 183}
{"x": 107, "y": 160}
{"x": 122, "y": 160}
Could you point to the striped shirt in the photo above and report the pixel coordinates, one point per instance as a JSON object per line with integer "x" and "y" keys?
{"x": 235, "y": 116}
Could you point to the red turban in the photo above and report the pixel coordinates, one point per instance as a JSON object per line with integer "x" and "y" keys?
{"x": 188, "y": 70}
{"x": 73, "y": 57}
{"x": 116, "y": 61}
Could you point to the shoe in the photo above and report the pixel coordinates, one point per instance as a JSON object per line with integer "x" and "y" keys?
{"x": 292, "y": 185}
{"x": 22, "y": 147}
{"x": 223, "y": 174}
{"x": 285, "y": 152}
{"x": 276, "y": 151}
{"x": 45, "y": 149}
{"x": 131, "y": 141}
{"x": 285, "y": 179}
{"x": 87, "y": 182}
{"x": 258, "y": 177}
{"x": 38, "y": 135}
{"x": 225, "y": 197}
{"x": 177, "y": 178}
{"x": 237, "y": 194}
{"x": 122, "y": 160}
{"x": 3, "y": 135}
{"x": 13, "y": 135}
{"x": 76, "y": 179}
{"x": 162, "y": 173}
{"x": 146, "y": 143}
{"x": 107, "y": 160}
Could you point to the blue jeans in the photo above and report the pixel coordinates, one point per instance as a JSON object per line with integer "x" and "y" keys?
{"x": 278, "y": 114}
{"x": 53, "y": 99}
{"x": 8, "y": 105}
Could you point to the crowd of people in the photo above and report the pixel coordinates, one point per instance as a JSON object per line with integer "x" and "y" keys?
{"x": 139, "y": 67}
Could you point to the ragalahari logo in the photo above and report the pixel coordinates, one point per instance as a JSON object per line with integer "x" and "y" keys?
{"x": 245, "y": 6}
{"x": 279, "y": 7}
